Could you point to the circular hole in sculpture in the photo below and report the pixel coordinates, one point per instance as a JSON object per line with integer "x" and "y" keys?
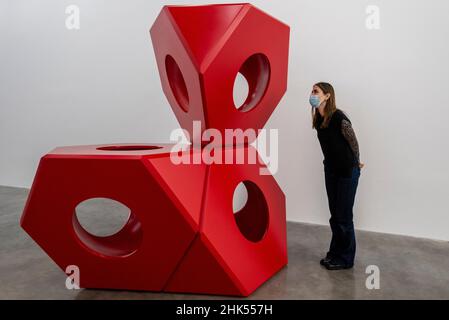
{"x": 250, "y": 211}
{"x": 240, "y": 197}
{"x": 107, "y": 227}
{"x": 128, "y": 148}
{"x": 177, "y": 83}
{"x": 241, "y": 90}
{"x": 249, "y": 92}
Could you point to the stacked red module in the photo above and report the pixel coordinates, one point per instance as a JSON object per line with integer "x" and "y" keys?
{"x": 182, "y": 234}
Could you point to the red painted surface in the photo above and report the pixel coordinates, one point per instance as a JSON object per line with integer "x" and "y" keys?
{"x": 234, "y": 255}
{"x": 164, "y": 220}
{"x": 210, "y": 45}
{"x": 182, "y": 234}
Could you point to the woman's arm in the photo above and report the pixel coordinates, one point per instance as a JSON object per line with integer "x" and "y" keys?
{"x": 349, "y": 134}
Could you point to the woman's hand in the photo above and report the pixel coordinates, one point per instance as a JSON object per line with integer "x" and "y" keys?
{"x": 361, "y": 165}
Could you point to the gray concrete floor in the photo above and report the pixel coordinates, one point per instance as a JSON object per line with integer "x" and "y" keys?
{"x": 410, "y": 268}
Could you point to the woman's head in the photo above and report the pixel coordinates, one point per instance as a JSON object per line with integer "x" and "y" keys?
{"x": 324, "y": 94}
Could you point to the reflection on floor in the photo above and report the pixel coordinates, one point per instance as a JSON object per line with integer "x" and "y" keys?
{"x": 410, "y": 268}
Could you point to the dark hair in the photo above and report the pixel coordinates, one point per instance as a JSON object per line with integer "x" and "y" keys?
{"x": 329, "y": 108}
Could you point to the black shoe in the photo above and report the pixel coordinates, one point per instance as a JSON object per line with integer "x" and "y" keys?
{"x": 325, "y": 260}
{"x": 334, "y": 265}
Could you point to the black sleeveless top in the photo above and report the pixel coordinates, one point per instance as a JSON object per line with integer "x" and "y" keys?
{"x": 338, "y": 156}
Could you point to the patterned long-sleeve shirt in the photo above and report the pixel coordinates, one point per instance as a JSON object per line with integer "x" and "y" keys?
{"x": 349, "y": 134}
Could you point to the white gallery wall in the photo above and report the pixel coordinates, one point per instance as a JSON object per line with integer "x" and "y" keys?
{"x": 100, "y": 84}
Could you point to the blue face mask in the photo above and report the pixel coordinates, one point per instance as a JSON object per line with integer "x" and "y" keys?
{"x": 314, "y": 101}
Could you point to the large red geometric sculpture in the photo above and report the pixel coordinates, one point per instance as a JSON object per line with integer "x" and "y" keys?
{"x": 165, "y": 201}
{"x": 199, "y": 51}
{"x": 182, "y": 234}
{"x": 234, "y": 255}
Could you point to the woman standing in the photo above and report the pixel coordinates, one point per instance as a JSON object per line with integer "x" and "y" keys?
{"x": 342, "y": 171}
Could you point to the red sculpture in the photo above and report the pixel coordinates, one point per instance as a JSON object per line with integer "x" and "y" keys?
{"x": 182, "y": 234}
{"x": 199, "y": 51}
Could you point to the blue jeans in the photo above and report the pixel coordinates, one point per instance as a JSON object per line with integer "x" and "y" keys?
{"x": 341, "y": 195}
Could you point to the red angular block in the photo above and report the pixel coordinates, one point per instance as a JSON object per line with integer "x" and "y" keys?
{"x": 201, "y": 49}
{"x": 165, "y": 202}
{"x": 233, "y": 254}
